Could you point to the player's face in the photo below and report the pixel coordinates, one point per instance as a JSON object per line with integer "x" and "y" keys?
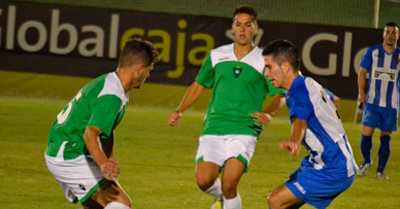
{"x": 391, "y": 36}
{"x": 244, "y": 28}
{"x": 274, "y": 72}
{"x": 143, "y": 75}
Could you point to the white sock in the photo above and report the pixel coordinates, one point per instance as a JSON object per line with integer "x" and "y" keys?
{"x": 215, "y": 189}
{"x": 235, "y": 203}
{"x": 116, "y": 205}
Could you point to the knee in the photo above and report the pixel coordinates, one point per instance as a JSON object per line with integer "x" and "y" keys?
{"x": 109, "y": 193}
{"x": 273, "y": 201}
{"x": 126, "y": 201}
{"x": 204, "y": 182}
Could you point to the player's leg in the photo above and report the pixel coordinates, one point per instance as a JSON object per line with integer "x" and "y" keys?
{"x": 110, "y": 196}
{"x": 209, "y": 160}
{"x": 81, "y": 180}
{"x": 383, "y": 154}
{"x": 369, "y": 121}
{"x": 91, "y": 204}
{"x": 239, "y": 150}
{"x": 366, "y": 143}
{"x": 233, "y": 170}
{"x": 388, "y": 123}
{"x": 207, "y": 178}
{"x": 282, "y": 197}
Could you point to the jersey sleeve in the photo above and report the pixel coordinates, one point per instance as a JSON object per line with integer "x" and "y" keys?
{"x": 366, "y": 61}
{"x": 330, "y": 94}
{"x": 206, "y": 76}
{"x": 301, "y": 107}
{"x": 272, "y": 90}
{"x": 104, "y": 113}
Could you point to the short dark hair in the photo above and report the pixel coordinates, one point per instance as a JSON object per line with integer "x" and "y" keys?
{"x": 246, "y": 10}
{"x": 283, "y": 50}
{"x": 137, "y": 51}
{"x": 391, "y": 24}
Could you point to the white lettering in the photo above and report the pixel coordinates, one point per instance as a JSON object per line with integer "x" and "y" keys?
{"x": 357, "y": 59}
{"x": 346, "y": 54}
{"x": 114, "y": 36}
{"x": 56, "y": 28}
{"x": 10, "y": 27}
{"x": 98, "y": 42}
{"x": 21, "y": 37}
{"x": 306, "y": 55}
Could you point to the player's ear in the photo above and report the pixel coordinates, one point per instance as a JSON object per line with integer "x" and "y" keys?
{"x": 136, "y": 69}
{"x": 139, "y": 67}
{"x": 286, "y": 67}
{"x": 255, "y": 25}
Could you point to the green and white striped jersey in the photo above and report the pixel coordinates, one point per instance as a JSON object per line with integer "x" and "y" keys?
{"x": 239, "y": 88}
{"x": 101, "y": 103}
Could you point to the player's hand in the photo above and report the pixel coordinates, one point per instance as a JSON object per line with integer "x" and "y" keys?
{"x": 261, "y": 117}
{"x": 293, "y": 147}
{"x": 173, "y": 118}
{"x": 361, "y": 97}
{"x": 110, "y": 169}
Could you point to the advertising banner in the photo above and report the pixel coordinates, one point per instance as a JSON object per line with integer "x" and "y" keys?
{"x": 84, "y": 41}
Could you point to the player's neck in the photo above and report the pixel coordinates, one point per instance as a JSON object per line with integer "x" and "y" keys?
{"x": 290, "y": 80}
{"x": 242, "y": 50}
{"x": 389, "y": 49}
{"x": 126, "y": 83}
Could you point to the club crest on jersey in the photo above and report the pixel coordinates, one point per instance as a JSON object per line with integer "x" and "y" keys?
{"x": 236, "y": 71}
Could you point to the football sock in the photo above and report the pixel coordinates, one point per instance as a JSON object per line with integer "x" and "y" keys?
{"x": 383, "y": 153}
{"x": 116, "y": 205}
{"x": 366, "y": 146}
{"x": 215, "y": 189}
{"x": 235, "y": 203}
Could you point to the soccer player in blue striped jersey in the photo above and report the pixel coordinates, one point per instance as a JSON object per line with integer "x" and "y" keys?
{"x": 329, "y": 169}
{"x": 382, "y": 62}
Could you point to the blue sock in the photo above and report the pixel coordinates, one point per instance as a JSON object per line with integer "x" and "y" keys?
{"x": 383, "y": 153}
{"x": 366, "y": 147}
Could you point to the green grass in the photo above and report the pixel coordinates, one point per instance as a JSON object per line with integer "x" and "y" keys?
{"x": 157, "y": 161}
{"x": 34, "y": 85}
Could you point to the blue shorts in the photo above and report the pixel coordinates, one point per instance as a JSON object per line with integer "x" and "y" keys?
{"x": 314, "y": 191}
{"x": 379, "y": 117}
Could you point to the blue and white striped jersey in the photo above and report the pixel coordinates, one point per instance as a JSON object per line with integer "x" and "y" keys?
{"x": 383, "y": 79}
{"x": 329, "y": 150}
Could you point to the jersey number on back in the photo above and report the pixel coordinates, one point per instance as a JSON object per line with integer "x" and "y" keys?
{"x": 63, "y": 115}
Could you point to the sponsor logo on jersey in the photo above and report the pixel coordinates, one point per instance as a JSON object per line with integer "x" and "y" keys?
{"x": 223, "y": 58}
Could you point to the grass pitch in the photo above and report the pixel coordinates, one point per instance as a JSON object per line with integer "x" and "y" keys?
{"x": 157, "y": 161}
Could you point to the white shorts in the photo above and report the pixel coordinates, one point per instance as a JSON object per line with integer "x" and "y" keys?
{"x": 219, "y": 148}
{"x": 79, "y": 178}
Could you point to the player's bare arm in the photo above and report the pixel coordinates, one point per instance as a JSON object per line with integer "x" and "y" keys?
{"x": 192, "y": 94}
{"x": 108, "y": 146}
{"x": 362, "y": 76}
{"x": 296, "y": 136}
{"x": 265, "y": 116}
{"x": 108, "y": 166}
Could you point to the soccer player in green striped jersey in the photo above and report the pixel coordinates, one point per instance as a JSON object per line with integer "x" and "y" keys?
{"x": 79, "y": 153}
{"x": 234, "y": 117}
